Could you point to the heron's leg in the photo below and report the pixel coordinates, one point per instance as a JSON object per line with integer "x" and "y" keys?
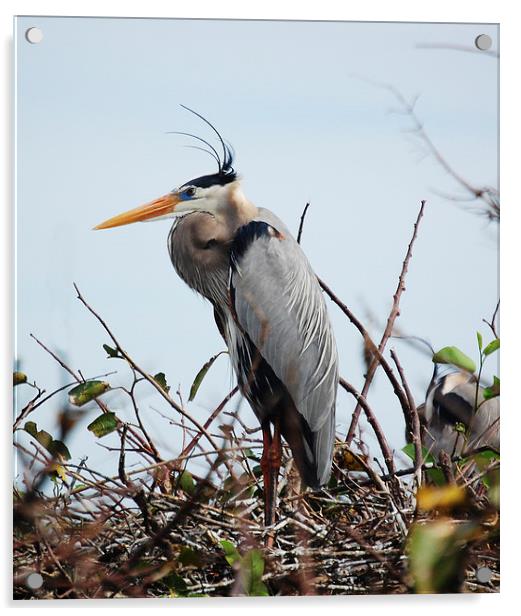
{"x": 270, "y": 464}
{"x": 266, "y": 472}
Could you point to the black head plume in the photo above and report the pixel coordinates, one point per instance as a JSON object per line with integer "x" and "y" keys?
{"x": 226, "y": 173}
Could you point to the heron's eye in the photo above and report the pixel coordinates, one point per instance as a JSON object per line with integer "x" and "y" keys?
{"x": 190, "y": 192}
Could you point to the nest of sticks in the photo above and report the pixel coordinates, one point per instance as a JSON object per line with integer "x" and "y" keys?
{"x": 166, "y": 533}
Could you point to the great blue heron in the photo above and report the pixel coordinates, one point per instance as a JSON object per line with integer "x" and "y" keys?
{"x": 451, "y": 400}
{"x": 268, "y": 307}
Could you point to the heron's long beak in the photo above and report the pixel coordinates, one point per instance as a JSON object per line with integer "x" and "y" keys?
{"x": 160, "y": 207}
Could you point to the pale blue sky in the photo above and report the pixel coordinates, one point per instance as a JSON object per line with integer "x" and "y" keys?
{"x": 94, "y": 101}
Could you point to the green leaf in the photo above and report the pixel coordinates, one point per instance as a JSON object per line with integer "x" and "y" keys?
{"x": 485, "y": 458}
{"x": 110, "y": 351}
{"x": 230, "y": 552}
{"x": 256, "y": 563}
{"x": 59, "y": 449}
{"x": 19, "y": 378}
{"x": 186, "y": 482}
{"x": 493, "y": 390}
{"x": 480, "y": 340}
{"x": 491, "y": 347}
{"x": 201, "y": 374}
{"x": 56, "y": 448}
{"x": 252, "y": 568}
{"x": 31, "y": 428}
{"x": 104, "y": 424}
{"x": 437, "y": 553}
{"x": 452, "y": 355}
{"x": 85, "y": 392}
{"x": 410, "y": 451}
{"x": 176, "y": 585}
{"x": 160, "y": 379}
{"x": 436, "y": 476}
{"x": 45, "y": 439}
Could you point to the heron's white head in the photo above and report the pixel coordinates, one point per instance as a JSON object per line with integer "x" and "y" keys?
{"x": 217, "y": 199}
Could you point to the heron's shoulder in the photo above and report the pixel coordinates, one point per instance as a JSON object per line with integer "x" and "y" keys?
{"x": 265, "y": 226}
{"x": 271, "y": 219}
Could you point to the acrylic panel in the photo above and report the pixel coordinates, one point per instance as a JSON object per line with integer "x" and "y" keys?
{"x": 321, "y": 416}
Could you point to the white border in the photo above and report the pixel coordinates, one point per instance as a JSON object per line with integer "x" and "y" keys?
{"x": 502, "y": 11}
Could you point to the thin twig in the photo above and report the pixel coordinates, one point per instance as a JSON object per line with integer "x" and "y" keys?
{"x": 150, "y": 442}
{"x": 489, "y": 196}
{"x": 413, "y": 421}
{"x": 395, "y": 311}
{"x": 371, "y": 418}
{"x": 492, "y": 323}
{"x": 75, "y": 375}
{"x": 369, "y": 342}
{"x": 207, "y": 423}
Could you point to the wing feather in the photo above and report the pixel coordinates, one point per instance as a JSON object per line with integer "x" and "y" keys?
{"x": 279, "y": 304}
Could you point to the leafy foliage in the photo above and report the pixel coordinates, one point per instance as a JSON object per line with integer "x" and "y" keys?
{"x": 186, "y": 482}
{"x": 176, "y": 585}
{"x": 111, "y": 353}
{"x": 492, "y": 347}
{"x": 56, "y": 448}
{"x": 437, "y": 554}
{"x": 452, "y": 355}
{"x": 201, "y": 374}
{"x": 85, "y": 392}
{"x": 160, "y": 379}
{"x": 493, "y": 390}
{"x": 104, "y": 424}
{"x": 230, "y": 552}
{"x": 250, "y": 567}
{"x": 434, "y": 473}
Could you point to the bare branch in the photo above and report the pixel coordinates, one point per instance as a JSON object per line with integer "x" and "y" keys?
{"x": 412, "y": 420}
{"x": 207, "y": 423}
{"x": 489, "y": 196}
{"x": 369, "y": 342}
{"x": 492, "y": 323}
{"x": 395, "y": 311}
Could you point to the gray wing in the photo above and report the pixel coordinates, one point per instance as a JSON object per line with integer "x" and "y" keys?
{"x": 484, "y": 423}
{"x": 279, "y": 304}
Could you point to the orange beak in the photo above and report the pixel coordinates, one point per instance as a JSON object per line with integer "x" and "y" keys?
{"x": 160, "y": 207}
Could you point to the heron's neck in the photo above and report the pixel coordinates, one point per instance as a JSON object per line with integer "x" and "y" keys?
{"x": 241, "y": 209}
